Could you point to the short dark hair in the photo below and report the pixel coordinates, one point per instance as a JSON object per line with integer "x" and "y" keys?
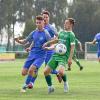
{"x": 72, "y": 20}
{"x": 45, "y": 12}
{"x": 39, "y": 17}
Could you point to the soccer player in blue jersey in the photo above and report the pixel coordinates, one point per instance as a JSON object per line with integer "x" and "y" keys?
{"x": 37, "y": 54}
{"x": 97, "y": 39}
{"x": 53, "y": 33}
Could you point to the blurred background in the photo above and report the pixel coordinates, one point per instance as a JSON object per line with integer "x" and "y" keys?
{"x": 17, "y": 19}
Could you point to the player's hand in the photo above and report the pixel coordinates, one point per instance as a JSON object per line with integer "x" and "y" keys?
{"x": 46, "y": 48}
{"x": 44, "y": 45}
{"x": 16, "y": 38}
{"x": 28, "y": 49}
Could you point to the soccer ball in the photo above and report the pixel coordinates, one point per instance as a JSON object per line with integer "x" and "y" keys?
{"x": 60, "y": 49}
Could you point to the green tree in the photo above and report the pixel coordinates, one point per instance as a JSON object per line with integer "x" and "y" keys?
{"x": 29, "y": 27}
{"x": 87, "y": 16}
{"x": 57, "y": 9}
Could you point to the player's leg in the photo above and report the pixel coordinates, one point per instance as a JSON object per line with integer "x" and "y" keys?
{"x": 78, "y": 63}
{"x": 33, "y": 71}
{"x": 64, "y": 76}
{"x": 48, "y": 57}
{"x": 99, "y": 56}
{"x": 24, "y": 72}
{"x": 51, "y": 65}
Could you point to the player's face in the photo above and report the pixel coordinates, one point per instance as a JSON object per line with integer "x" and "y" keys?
{"x": 46, "y": 18}
{"x": 67, "y": 25}
{"x": 40, "y": 24}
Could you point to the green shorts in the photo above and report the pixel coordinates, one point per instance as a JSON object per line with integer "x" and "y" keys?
{"x": 54, "y": 63}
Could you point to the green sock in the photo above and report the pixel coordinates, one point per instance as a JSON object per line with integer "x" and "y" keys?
{"x": 64, "y": 78}
{"x": 78, "y": 63}
{"x": 48, "y": 80}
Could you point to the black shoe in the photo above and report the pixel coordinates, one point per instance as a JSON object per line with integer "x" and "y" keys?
{"x": 69, "y": 69}
{"x": 81, "y": 68}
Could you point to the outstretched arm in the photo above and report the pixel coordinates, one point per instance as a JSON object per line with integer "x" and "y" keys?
{"x": 80, "y": 46}
{"x": 92, "y": 42}
{"x": 54, "y": 41}
{"x": 29, "y": 48}
{"x": 21, "y": 41}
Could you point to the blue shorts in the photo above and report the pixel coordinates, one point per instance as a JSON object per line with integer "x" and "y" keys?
{"x": 36, "y": 62}
{"x": 48, "y": 56}
{"x": 98, "y": 54}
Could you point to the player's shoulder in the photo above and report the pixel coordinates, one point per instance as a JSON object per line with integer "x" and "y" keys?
{"x": 62, "y": 31}
{"x": 33, "y": 31}
{"x": 71, "y": 32}
{"x": 52, "y": 26}
{"x": 98, "y": 34}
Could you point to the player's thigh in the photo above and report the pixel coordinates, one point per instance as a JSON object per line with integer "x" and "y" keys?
{"x": 53, "y": 63}
{"x": 61, "y": 66}
{"x": 26, "y": 67}
{"x": 48, "y": 57}
{"x": 37, "y": 63}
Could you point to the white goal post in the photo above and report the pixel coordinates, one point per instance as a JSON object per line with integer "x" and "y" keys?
{"x": 90, "y": 51}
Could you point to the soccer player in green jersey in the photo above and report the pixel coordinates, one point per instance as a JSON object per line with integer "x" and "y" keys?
{"x": 66, "y": 37}
{"x": 77, "y": 43}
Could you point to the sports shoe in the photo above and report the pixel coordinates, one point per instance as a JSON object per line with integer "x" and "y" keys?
{"x": 69, "y": 69}
{"x": 59, "y": 78}
{"x": 24, "y": 89}
{"x": 66, "y": 87}
{"x": 30, "y": 86}
{"x": 81, "y": 68}
{"x": 50, "y": 90}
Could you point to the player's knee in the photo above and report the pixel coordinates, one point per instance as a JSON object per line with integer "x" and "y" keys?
{"x": 30, "y": 72}
{"x": 46, "y": 72}
{"x": 99, "y": 60}
{"x": 24, "y": 72}
{"x": 61, "y": 72}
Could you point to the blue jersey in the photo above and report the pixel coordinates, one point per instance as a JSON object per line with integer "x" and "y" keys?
{"x": 38, "y": 38}
{"x": 97, "y": 38}
{"x": 52, "y": 31}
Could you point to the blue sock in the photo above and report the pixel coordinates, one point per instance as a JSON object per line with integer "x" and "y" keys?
{"x": 54, "y": 72}
{"x": 28, "y": 79}
{"x": 34, "y": 77}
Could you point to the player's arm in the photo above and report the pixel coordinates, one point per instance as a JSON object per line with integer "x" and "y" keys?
{"x": 51, "y": 42}
{"x": 22, "y": 41}
{"x": 80, "y": 45}
{"x": 72, "y": 43}
{"x": 29, "y": 48}
{"x": 71, "y": 53}
{"x": 92, "y": 42}
{"x": 50, "y": 48}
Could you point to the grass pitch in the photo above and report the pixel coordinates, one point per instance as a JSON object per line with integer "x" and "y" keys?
{"x": 83, "y": 85}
